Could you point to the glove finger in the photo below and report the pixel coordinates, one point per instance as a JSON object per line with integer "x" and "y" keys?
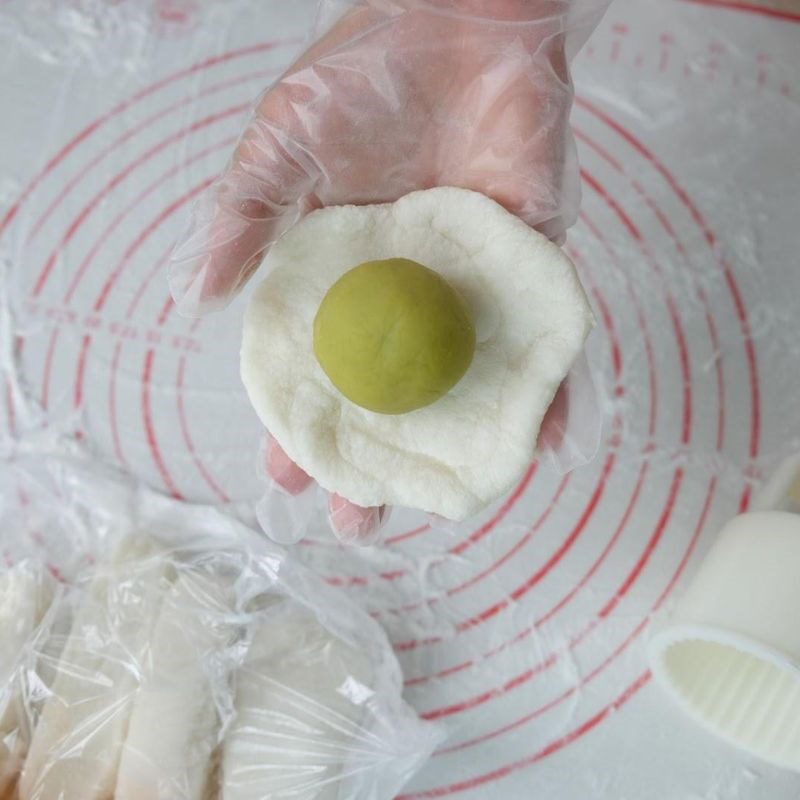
{"x": 282, "y": 471}
{"x": 237, "y": 218}
{"x": 354, "y": 524}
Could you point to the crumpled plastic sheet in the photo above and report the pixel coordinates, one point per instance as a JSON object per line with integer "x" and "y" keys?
{"x": 168, "y": 651}
{"x": 522, "y": 631}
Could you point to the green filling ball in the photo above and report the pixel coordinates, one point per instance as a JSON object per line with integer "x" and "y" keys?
{"x": 393, "y": 336}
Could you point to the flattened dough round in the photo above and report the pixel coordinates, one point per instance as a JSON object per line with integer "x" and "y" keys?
{"x": 462, "y": 452}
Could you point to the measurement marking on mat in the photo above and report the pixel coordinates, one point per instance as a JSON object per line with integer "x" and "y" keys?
{"x": 760, "y": 71}
{"x": 118, "y": 329}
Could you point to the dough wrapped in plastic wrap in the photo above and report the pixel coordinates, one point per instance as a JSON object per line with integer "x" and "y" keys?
{"x": 83, "y": 722}
{"x": 186, "y": 657}
{"x": 298, "y": 700}
{"x": 26, "y": 592}
{"x": 174, "y": 725}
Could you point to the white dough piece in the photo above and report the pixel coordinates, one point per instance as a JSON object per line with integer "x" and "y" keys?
{"x": 174, "y": 725}
{"x": 77, "y": 743}
{"x": 298, "y": 699}
{"x": 25, "y": 596}
{"x": 468, "y": 448}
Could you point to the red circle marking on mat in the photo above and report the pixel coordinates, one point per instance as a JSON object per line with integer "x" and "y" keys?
{"x": 112, "y": 388}
{"x": 519, "y": 680}
{"x": 44, "y": 397}
{"x": 100, "y": 121}
{"x": 670, "y": 231}
{"x": 402, "y": 537}
{"x": 143, "y": 235}
{"x": 593, "y": 721}
{"x": 112, "y": 402}
{"x": 75, "y": 225}
{"x": 150, "y": 430}
{"x": 129, "y": 134}
{"x": 158, "y": 266}
{"x": 105, "y": 234}
{"x": 749, "y": 8}
{"x": 158, "y": 182}
{"x": 184, "y": 425}
{"x": 182, "y": 419}
{"x": 141, "y": 238}
{"x": 119, "y": 178}
{"x": 533, "y": 579}
{"x": 710, "y": 238}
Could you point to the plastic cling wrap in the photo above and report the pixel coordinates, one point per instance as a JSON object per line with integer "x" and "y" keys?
{"x": 189, "y": 659}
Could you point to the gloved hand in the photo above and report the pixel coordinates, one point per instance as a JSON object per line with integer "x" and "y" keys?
{"x": 397, "y": 95}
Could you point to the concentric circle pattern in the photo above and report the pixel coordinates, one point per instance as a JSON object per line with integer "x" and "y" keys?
{"x": 521, "y": 630}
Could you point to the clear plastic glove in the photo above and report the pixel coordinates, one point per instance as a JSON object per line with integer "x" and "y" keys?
{"x": 396, "y": 95}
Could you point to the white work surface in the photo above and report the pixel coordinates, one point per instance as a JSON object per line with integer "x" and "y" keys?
{"x": 522, "y": 630}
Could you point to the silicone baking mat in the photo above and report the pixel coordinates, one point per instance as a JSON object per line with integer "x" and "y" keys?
{"x": 521, "y": 631}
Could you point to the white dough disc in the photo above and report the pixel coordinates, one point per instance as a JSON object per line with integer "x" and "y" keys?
{"x": 468, "y": 448}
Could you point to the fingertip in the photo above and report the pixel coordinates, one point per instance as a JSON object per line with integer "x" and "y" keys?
{"x": 283, "y": 471}
{"x": 215, "y": 257}
{"x": 352, "y": 523}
